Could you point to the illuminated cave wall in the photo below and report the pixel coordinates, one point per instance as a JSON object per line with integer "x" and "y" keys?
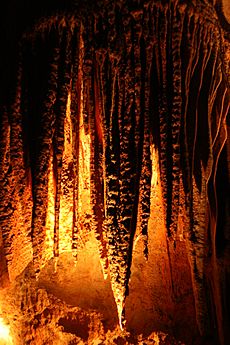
{"x": 115, "y": 177}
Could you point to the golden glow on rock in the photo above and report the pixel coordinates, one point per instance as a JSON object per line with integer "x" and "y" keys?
{"x": 84, "y": 204}
{"x": 67, "y": 183}
{"x": 149, "y": 217}
{"x": 48, "y": 252}
{"x": 156, "y": 339}
{"x": 121, "y": 322}
{"x": 155, "y": 166}
{"x": 5, "y": 337}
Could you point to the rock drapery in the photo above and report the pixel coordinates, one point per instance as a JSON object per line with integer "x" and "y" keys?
{"x": 97, "y": 93}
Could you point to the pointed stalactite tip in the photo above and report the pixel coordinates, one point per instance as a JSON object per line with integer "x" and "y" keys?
{"x": 121, "y": 313}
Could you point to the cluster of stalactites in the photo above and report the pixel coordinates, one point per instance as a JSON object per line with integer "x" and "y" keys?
{"x": 149, "y": 75}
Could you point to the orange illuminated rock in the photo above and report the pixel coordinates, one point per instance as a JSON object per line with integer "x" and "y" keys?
{"x": 113, "y": 158}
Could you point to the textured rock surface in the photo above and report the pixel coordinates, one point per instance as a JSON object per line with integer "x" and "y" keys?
{"x": 114, "y": 155}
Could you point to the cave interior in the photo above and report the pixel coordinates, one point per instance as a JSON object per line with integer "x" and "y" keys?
{"x": 114, "y": 172}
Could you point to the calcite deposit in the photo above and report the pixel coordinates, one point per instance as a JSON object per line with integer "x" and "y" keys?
{"x": 114, "y": 175}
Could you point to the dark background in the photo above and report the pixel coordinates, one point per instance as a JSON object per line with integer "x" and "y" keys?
{"x": 16, "y": 17}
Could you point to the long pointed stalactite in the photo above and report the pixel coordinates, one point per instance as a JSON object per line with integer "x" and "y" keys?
{"x": 117, "y": 83}
{"x": 75, "y": 109}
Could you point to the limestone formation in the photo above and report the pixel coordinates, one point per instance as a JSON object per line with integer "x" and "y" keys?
{"x": 100, "y": 91}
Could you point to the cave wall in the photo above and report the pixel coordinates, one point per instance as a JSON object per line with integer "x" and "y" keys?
{"x": 114, "y": 150}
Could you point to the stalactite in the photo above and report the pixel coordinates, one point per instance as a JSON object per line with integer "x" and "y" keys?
{"x": 89, "y": 109}
{"x": 189, "y": 40}
{"x": 138, "y": 112}
{"x": 199, "y": 201}
{"x": 103, "y": 80}
{"x": 67, "y": 185}
{"x": 75, "y": 109}
{"x": 41, "y": 168}
{"x": 15, "y": 200}
{"x": 98, "y": 165}
{"x": 145, "y": 162}
{"x": 117, "y": 264}
{"x": 96, "y": 170}
{"x": 5, "y": 210}
{"x": 47, "y": 252}
{"x": 58, "y": 140}
{"x": 177, "y": 29}
{"x": 164, "y": 110}
{"x": 87, "y": 74}
{"x": 123, "y": 186}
